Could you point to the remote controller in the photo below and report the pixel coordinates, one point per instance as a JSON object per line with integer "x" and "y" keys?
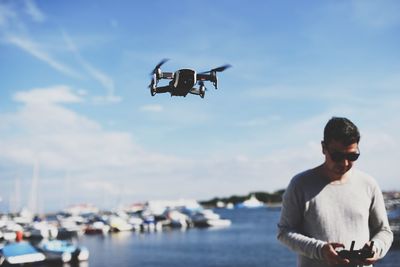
{"x": 357, "y": 254}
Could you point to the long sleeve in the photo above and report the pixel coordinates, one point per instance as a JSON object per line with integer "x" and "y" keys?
{"x": 379, "y": 224}
{"x": 289, "y": 226}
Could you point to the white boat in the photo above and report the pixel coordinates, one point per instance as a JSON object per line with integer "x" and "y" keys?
{"x": 10, "y": 229}
{"x": 252, "y": 202}
{"x": 208, "y": 218}
{"x": 230, "y": 206}
{"x": 20, "y": 253}
{"x": 177, "y": 219}
{"x": 119, "y": 224}
{"x": 97, "y": 227}
{"x": 219, "y": 223}
{"x": 136, "y": 222}
{"x": 63, "y": 251}
{"x": 41, "y": 230}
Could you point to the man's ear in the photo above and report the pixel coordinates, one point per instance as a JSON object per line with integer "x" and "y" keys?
{"x": 323, "y": 147}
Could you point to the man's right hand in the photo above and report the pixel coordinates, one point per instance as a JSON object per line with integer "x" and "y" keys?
{"x": 330, "y": 255}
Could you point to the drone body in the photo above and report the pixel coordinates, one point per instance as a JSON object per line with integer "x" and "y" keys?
{"x": 183, "y": 81}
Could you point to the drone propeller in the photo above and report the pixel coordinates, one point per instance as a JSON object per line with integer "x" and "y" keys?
{"x": 158, "y": 66}
{"x": 212, "y": 74}
{"x": 156, "y": 73}
{"x": 219, "y": 69}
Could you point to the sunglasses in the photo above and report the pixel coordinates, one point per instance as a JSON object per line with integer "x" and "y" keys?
{"x": 340, "y": 156}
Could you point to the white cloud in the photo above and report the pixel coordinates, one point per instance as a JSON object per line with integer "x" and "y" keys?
{"x": 56, "y": 94}
{"x": 65, "y": 141}
{"x": 106, "y": 99}
{"x": 61, "y": 138}
{"x": 152, "y": 108}
{"x": 256, "y": 122}
{"x": 111, "y": 162}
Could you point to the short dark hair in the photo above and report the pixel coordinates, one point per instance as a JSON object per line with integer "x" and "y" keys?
{"x": 342, "y": 130}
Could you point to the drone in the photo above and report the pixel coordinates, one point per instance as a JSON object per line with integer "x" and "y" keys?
{"x": 183, "y": 81}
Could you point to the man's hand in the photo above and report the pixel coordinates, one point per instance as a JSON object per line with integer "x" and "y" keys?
{"x": 331, "y": 256}
{"x": 371, "y": 260}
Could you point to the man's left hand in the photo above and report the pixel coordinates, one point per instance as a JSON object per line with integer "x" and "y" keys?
{"x": 373, "y": 259}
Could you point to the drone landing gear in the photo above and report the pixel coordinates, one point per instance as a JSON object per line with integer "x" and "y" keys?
{"x": 159, "y": 90}
{"x": 198, "y": 91}
{"x": 202, "y": 92}
{"x": 202, "y": 89}
{"x": 153, "y": 91}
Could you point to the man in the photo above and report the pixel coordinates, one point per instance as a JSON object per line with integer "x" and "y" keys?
{"x": 325, "y": 208}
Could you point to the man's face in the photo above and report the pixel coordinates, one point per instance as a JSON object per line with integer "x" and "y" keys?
{"x": 339, "y": 158}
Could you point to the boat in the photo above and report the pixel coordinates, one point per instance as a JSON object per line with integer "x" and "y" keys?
{"x": 41, "y": 230}
{"x": 68, "y": 229}
{"x": 208, "y": 218}
{"x": 20, "y": 253}
{"x": 119, "y": 224}
{"x": 136, "y": 222}
{"x": 97, "y": 227}
{"x": 9, "y": 231}
{"x": 177, "y": 219}
{"x": 252, "y": 202}
{"x": 229, "y": 206}
{"x": 63, "y": 251}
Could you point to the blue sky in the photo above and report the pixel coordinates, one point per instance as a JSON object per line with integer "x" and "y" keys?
{"x": 74, "y": 100}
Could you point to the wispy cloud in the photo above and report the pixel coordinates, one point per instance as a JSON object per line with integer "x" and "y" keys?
{"x": 13, "y": 31}
{"x": 32, "y": 9}
{"x": 376, "y": 14}
{"x": 106, "y": 81}
{"x": 35, "y": 50}
{"x": 6, "y": 15}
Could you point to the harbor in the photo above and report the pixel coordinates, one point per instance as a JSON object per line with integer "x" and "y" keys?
{"x": 155, "y": 233}
{"x": 29, "y": 238}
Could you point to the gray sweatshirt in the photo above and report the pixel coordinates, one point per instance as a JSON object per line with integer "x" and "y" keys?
{"x": 315, "y": 211}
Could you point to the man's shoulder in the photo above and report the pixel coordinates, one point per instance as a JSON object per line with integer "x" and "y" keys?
{"x": 363, "y": 178}
{"x": 304, "y": 177}
{"x": 307, "y": 174}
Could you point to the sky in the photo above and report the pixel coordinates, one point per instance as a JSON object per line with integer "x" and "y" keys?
{"x": 78, "y": 123}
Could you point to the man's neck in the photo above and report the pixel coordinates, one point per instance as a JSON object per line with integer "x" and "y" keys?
{"x": 333, "y": 177}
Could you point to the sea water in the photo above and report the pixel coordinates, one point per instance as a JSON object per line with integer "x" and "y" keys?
{"x": 249, "y": 241}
